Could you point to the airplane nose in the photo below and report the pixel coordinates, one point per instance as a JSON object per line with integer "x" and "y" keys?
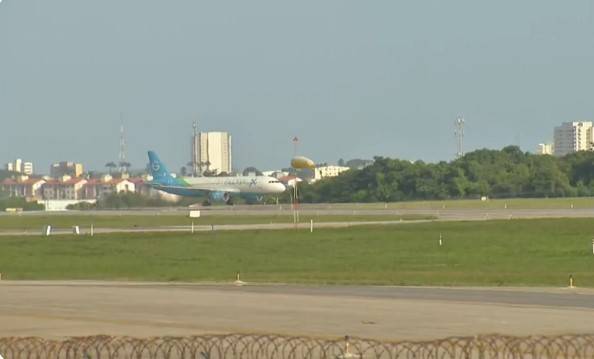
{"x": 281, "y": 187}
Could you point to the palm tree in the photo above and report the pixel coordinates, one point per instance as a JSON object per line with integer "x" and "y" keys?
{"x": 110, "y": 166}
{"x": 207, "y": 164}
{"x": 125, "y": 166}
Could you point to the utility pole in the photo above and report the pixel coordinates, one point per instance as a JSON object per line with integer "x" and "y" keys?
{"x": 295, "y": 195}
{"x": 459, "y": 133}
{"x": 195, "y": 150}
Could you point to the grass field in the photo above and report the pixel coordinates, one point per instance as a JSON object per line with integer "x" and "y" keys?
{"x": 510, "y": 203}
{"x": 24, "y": 222}
{"x": 493, "y": 253}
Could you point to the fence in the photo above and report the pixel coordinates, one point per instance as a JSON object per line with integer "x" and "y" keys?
{"x": 275, "y": 346}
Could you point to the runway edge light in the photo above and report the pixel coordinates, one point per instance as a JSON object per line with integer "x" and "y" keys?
{"x": 238, "y": 282}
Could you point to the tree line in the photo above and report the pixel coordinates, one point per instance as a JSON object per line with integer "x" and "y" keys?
{"x": 18, "y": 202}
{"x": 502, "y": 173}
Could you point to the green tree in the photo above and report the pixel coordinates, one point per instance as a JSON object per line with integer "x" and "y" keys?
{"x": 111, "y": 166}
{"x": 508, "y": 172}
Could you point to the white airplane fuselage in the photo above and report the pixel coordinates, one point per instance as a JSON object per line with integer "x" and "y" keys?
{"x": 239, "y": 184}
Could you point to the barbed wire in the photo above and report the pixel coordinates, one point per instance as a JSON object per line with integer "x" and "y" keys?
{"x": 277, "y": 346}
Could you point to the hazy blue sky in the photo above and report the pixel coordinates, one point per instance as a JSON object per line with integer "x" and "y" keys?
{"x": 350, "y": 78}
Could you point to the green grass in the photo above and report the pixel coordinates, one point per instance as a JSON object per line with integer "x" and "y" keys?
{"x": 494, "y": 253}
{"x": 23, "y": 222}
{"x": 511, "y": 203}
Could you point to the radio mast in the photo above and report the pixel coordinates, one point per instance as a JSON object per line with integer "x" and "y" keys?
{"x": 122, "y": 156}
{"x": 459, "y": 133}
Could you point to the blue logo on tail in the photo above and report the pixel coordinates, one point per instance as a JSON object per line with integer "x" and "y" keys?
{"x": 161, "y": 175}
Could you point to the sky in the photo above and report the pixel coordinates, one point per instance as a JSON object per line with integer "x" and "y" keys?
{"x": 350, "y": 78}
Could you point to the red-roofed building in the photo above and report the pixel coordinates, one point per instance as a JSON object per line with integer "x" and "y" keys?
{"x": 140, "y": 187}
{"x": 29, "y": 188}
{"x": 90, "y": 188}
{"x": 70, "y": 189}
{"x": 290, "y": 180}
{"x": 97, "y": 188}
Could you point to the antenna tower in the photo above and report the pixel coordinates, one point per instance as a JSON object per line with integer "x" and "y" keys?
{"x": 459, "y": 133}
{"x": 122, "y": 156}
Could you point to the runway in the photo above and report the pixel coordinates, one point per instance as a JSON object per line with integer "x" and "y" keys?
{"x": 58, "y": 309}
{"x": 439, "y": 214}
{"x": 338, "y": 210}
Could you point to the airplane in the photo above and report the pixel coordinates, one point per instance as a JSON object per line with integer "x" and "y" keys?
{"x": 216, "y": 189}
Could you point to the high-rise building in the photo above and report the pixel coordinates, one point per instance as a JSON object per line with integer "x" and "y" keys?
{"x": 215, "y": 152}
{"x": 60, "y": 169}
{"x": 27, "y": 168}
{"x": 573, "y": 137}
{"x": 545, "y": 149}
{"x": 20, "y": 167}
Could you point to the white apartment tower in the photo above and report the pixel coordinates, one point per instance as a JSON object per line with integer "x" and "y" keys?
{"x": 545, "y": 149}
{"x": 20, "y": 167}
{"x": 329, "y": 171}
{"x": 572, "y": 137}
{"x": 215, "y": 151}
{"x": 28, "y": 168}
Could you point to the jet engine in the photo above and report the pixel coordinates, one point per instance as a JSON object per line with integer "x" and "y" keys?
{"x": 221, "y": 197}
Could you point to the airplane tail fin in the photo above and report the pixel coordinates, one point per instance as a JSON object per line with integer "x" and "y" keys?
{"x": 159, "y": 171}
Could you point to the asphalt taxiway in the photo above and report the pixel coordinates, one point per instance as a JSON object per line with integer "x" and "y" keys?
{"x": 71, "y": 308}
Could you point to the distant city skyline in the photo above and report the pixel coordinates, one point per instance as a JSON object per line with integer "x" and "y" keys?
{"x": 351, "y": 79}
